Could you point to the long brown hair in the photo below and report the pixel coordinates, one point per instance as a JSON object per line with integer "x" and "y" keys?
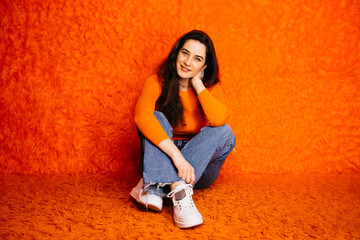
{"x": 169, "y": 101}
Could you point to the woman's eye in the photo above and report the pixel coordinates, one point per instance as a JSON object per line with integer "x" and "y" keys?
{"x": 185, "y": 53}
{"x": 198, "y": 59}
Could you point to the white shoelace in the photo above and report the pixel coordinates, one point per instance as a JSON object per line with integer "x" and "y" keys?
{"x": 189, "y": 203}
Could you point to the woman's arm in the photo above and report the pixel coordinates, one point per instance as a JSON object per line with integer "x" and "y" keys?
{"x": 216, "y": 112}
{"x": 144, "y": 118}
{"x": 185, "y": 171}
{"x": 152, "y": 129}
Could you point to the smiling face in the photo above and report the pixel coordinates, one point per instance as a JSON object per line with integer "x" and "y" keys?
{"x": 190, "y": 59}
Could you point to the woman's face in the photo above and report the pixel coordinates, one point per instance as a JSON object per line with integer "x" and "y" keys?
{"x": 190, "y": 59}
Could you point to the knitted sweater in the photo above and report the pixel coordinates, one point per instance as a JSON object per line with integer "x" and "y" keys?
{"x": 209, "y": 112}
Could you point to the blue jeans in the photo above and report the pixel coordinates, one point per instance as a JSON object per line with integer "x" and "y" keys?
{"x": 206, "y": 152}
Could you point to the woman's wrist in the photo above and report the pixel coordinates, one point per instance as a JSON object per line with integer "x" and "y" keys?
{"x": 170, "y": 149}
{"x": 198, "y": 85}
{"x": 176, "y": 156}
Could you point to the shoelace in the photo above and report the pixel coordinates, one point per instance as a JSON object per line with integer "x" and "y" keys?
{"x": 189, "y": 192}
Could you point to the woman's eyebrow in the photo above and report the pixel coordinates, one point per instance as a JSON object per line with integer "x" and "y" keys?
{"x": 200, "y": 56}
{"x": 195, "y": 55}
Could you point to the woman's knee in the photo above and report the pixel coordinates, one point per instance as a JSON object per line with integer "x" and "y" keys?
{"x": 163, "y": 122}
{"x": 224, "y": 134}
{"x": 227, "y": 142}
{"x": 160, "y": 116}
{"x": 228, "y": 132}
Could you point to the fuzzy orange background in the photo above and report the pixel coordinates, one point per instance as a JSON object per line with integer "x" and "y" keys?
{"x": 71, "y": 73}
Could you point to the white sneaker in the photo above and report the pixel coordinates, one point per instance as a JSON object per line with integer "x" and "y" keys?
{"x": 152, "y": 201}
{"x": 185, "y": 212}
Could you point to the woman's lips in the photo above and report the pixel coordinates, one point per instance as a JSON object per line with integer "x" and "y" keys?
{"x": 184, "y": 69}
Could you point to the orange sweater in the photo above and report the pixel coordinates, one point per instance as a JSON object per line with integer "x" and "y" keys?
{"x": 211, "y": 112}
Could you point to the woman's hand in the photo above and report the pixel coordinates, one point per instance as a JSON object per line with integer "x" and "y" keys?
{"x": 196, "y": 81}
{"x": 185, "y": 171}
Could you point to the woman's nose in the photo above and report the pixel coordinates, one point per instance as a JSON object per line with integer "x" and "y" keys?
{"x": 188, "y": 61}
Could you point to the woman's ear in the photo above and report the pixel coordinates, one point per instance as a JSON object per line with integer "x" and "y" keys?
{"x": 203, "y": 68}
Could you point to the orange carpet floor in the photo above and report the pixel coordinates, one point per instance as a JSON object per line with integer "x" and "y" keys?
{"x": 248, "y": 207}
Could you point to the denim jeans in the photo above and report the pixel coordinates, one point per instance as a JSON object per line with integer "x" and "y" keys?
{"x": 206, "y": 152}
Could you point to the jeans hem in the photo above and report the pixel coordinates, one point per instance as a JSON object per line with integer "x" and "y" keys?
{"x": 158, "y": 186}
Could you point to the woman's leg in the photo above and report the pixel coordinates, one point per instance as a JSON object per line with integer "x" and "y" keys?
{"x": 211, "y": 145}
{"x": 159, "y": 171}
{"x": 207, "y": 152}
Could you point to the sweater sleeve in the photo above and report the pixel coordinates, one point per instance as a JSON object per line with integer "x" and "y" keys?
{"x": 216, "y": 112}
{"x": 144, "y": 118}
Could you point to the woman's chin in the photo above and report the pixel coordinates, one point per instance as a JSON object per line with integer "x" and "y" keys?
{"x": 185, "y": 75}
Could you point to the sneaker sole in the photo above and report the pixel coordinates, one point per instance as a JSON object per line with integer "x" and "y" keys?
{"x": 189, "y": 224}
{"x": 135, "y": 194}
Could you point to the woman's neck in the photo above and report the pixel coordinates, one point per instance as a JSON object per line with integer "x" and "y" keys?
{"x": 184, "y": 84}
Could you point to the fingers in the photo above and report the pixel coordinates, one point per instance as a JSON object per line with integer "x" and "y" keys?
{"x": 185, "y": 171}
{"x": 187, "y": 174}
{"x": 200, "y": 74}
{"x": 192, "y": 179}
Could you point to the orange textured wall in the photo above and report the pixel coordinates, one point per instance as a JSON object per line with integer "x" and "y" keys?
{"x": 71, "y": 72}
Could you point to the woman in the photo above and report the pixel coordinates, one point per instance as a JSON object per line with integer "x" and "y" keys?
{"x": 182, "y": 126}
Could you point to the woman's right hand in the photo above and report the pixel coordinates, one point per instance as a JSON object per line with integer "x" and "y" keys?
{"x": 185, "y": 171}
